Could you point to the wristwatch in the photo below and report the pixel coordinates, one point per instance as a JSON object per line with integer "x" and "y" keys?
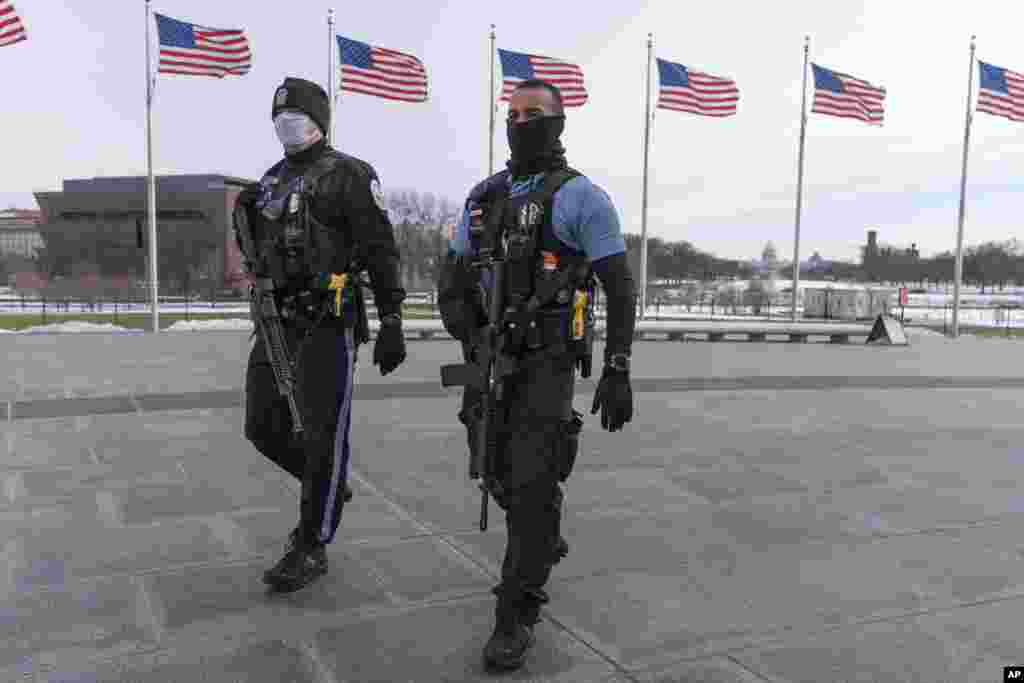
{"x": 618, "y": 361}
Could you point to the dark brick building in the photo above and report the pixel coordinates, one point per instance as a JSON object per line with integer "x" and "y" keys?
{"x": 95, "y": 224}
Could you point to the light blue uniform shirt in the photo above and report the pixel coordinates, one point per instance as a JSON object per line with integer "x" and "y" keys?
{"x": 582, "y": 216}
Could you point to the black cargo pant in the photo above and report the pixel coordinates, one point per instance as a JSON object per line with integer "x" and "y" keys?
{"x": 319, "y": 457}
{"x": 532, "y": 459}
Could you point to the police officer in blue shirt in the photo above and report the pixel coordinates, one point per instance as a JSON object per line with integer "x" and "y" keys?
{"x": 572, "y": 232}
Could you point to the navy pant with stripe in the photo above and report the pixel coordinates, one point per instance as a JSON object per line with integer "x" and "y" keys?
{"x": 319, "y": 458}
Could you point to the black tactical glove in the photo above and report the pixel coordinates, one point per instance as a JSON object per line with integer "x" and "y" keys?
{"x": 614, "y": 398}
{"x": 389, "y": 349}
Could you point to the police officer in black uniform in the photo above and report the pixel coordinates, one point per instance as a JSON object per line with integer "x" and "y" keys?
{"x": 318, "y": 220}
{"x": 567, "y": 230}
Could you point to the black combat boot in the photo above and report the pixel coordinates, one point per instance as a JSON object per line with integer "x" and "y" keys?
{"x": 506, "y": 649}
{"x": 529, "y": 608}
{"x": 293, "y": 538}
{"x": 302, "y": 564}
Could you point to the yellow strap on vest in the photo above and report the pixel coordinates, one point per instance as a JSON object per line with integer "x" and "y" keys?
{"x": 337, "y": 284}
{"x": 579, "y": 305}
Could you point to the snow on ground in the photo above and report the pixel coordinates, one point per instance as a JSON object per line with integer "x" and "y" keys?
{"x": 15, "y": 308}
{"x": 78, "y": 327}
{"x": 74, "y": 327}
{"x": 208, "y": 325}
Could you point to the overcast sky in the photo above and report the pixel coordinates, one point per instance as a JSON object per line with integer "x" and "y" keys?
{"x": 73, "y": 106}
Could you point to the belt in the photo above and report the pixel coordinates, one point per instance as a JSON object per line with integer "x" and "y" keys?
{"x": 326, "y": 295}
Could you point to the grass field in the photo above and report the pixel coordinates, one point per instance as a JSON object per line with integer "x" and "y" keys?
{"x": 978, "y": 331}
{"x": 1012, "y": 332}
{"x": 144, "y": 321}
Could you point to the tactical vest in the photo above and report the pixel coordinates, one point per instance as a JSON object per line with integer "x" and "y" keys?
{"x": 294, "y": 247}
{"x": 310, "y": 264}
{"x": 548, "y": 286}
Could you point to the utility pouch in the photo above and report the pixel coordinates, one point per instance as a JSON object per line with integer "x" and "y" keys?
{"x": 569, "y": 444}
{"x": 553, "y": 328}
{"x": 534, "y": 335}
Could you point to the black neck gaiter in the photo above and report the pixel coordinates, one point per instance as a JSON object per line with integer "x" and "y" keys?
{"x": 308, "y": 155}
{"x": 535, "y": 145}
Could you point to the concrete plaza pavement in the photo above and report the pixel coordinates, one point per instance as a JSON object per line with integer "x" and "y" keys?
{"x": 775, "y": 512}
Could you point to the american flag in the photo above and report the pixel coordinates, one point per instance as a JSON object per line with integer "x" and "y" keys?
{"x": 517, "y": 67}
{"x": 1001, "y": 92}
{"x": 847, "y": 97}
{"x": 11, "y": 29}
{"x": 193, "y": 50}
{"x": 381, "y": 72}
{"x": 695, "y": 92}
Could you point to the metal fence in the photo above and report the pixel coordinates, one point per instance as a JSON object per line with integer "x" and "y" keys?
{"x": 44, "y": 310}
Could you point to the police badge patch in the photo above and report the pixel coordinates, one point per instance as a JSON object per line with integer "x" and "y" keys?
{"x": 529, "y": 215}
{"x": 378, "y": 195}
{"x": 281, "y": 97}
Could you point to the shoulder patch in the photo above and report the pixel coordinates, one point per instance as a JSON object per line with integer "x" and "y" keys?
{"x": 378, "y": 195}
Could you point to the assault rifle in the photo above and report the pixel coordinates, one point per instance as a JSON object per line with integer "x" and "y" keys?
{"x": 490, "y": 361}
{"x": 486, "y": 373}
{"x": 267, "y": 318}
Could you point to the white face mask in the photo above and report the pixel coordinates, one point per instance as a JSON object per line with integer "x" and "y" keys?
{"x": 296, "y": 131}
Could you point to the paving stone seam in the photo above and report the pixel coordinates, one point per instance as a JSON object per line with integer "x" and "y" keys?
{"x": 8, "y": 564}
{"x": 785, "y": 636}
{"x": 430, "y": 389}
{"x": 243, "y": 558}
{"x": 756, "y": 674}
{"x": 109, "y": 510}
{"x": 378, "y": 577}
{"x": 235, "y": 556}
{"x": 489, "y": 570}
{"x": 229, "y": 635}
{"x": 850, "y": 537}
{"x": 230, "y": 534}
{"x": 226, "y": 559}
{"x": 13, "y": 485}
{"x": 316, "y": 667}
{"x": 151, "y": 607}
{"x": 309, "y": 624}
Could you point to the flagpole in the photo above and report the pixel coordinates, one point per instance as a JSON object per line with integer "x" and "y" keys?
{"x": 330, "y": 72}
{"x": 151, "y": 185}
{"x": 643, "y": 211}
{"x": 958, "y": 266}
{"x": 491, "y": 106}
{"x": 800, "y": 180}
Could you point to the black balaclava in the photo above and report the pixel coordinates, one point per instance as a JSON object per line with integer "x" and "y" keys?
{"x": 535, "y": 145}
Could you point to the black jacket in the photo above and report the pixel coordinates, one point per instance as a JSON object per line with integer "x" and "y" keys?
{"x": 344, "y": 199}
